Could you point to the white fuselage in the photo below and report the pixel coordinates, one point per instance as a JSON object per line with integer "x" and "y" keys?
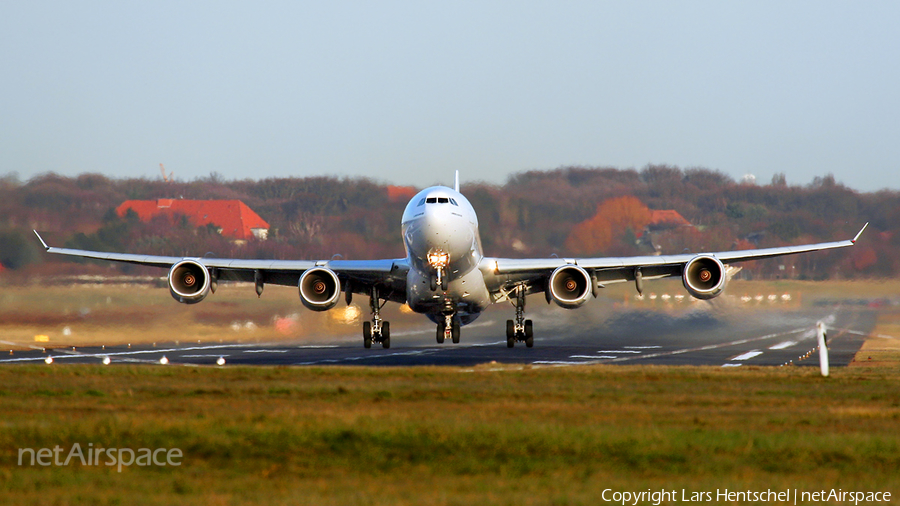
{"x": 440, "y": 231}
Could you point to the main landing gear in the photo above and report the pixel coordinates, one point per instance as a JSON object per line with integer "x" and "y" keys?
{"x": 377, "y": 330}
{"x": 521, "y": 330}
{"x": 449, "y": 328}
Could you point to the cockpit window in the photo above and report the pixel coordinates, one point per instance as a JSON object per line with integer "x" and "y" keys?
{"x": 421, "y": 202}
{"x": 443, "y": 200}
{"x": 454, "y": 202}
{"x": 431, "y": 200}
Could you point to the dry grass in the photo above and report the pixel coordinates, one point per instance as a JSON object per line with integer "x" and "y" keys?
{"x": 447, "y": 435}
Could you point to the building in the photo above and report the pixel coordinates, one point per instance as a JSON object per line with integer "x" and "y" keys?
{"x": 662, "y": 222}
{"x": 666, "y": 218}
{"x": 232, "y": 217}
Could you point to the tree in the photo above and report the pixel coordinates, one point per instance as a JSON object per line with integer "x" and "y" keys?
{"x": 614, "y": 219}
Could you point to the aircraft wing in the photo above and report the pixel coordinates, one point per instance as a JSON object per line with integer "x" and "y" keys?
{"x": 621, "y": 269}
{"x": 388, "y": 275}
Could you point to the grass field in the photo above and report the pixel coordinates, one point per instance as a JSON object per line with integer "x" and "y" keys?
{"x": 420, "y": 436}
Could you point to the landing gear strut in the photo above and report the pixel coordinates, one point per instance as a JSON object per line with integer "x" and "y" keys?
{"x": 439, "y": 279}
{"x": 521, "y": 330}
{"x": 377, "y": 330}
{"x": 449, "y": 328}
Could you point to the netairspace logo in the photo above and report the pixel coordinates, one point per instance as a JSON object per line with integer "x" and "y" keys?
{"x": 90, "y": 456}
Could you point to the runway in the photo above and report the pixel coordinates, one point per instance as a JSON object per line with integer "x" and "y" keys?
{"x": 702, "y": 336}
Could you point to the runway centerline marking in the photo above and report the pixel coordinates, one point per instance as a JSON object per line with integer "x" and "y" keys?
{"x": 711, "y": 346}
{"x": 748, "y": 355}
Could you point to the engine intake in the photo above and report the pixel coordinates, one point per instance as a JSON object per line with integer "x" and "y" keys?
{"x": 704, "y": 277}
{"x": 189, "y": 281}
{"x": 320, "y": 289}
{"x": 570, "y": 286}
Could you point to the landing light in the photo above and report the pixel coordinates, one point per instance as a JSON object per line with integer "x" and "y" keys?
{"x": 438, "y": 259}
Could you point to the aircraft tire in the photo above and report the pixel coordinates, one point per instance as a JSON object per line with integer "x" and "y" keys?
{"x": 510, "y": 342}
{"x": 367, "y": 334}
{"x": 386, "y": 330}
{"x": 529, "y": 342}
{"x": 529, "y": 329}
{"x": 510, "y": 330}
{"x": 386, "y": 342}
{"x": 440, "y": 334}
{"x": 454, "y": 333}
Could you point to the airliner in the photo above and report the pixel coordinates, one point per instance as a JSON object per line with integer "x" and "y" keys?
{"x": 445, "y": 274}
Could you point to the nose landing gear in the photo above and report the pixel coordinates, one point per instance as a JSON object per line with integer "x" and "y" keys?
{"x": 520, "y": 330}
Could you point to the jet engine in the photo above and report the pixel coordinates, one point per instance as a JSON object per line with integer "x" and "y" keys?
{"x": 569, "y": 286}
{"x": 704, "y": 277}
{"x": 189, "y": 281}
{"x": 320, "y": 289}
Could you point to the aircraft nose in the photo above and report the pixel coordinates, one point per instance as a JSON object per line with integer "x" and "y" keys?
{"x": 446, "y": 231}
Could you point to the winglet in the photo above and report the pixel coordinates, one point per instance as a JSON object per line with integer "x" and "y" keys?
{"x": 859, "y": 233}
{"x": 456, "y": 185}
{"x": 41, "y": 239}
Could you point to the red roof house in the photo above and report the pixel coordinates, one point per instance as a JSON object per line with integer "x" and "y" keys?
{"x": 667, "y": 218}
{"x": 233, "y": 217}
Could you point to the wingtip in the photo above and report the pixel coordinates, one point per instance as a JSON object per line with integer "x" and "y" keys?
{"x": 44, "y": 244}
{"x": 859, "y": 233}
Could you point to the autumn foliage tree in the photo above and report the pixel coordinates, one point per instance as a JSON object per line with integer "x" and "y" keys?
{"x": 615, "y": 218}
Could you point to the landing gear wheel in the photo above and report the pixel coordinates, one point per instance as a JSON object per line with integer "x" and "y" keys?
{"x": 510, "y": 342}
{"x": 454, "y": 333}
{"x": 529, "y": 329}
{"x": 440, "y": 334}
{"x": 386, "y": 342}
{"x": 433, "y": 283}
{"x": 510, "y": 330}
{"x": 444, "y": 283}
{"x": 367, "y": 334}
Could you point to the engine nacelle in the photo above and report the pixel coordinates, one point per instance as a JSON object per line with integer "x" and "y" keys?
{"x": 704, "y": 277}
{"x": 320, "y": 289}
{"x": 189, "y": 281}
{"x": 569, "y": 286}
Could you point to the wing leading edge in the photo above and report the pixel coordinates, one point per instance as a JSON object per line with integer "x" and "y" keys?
{"x": 359, "y": 275}
{"x": 620, "y": 269}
